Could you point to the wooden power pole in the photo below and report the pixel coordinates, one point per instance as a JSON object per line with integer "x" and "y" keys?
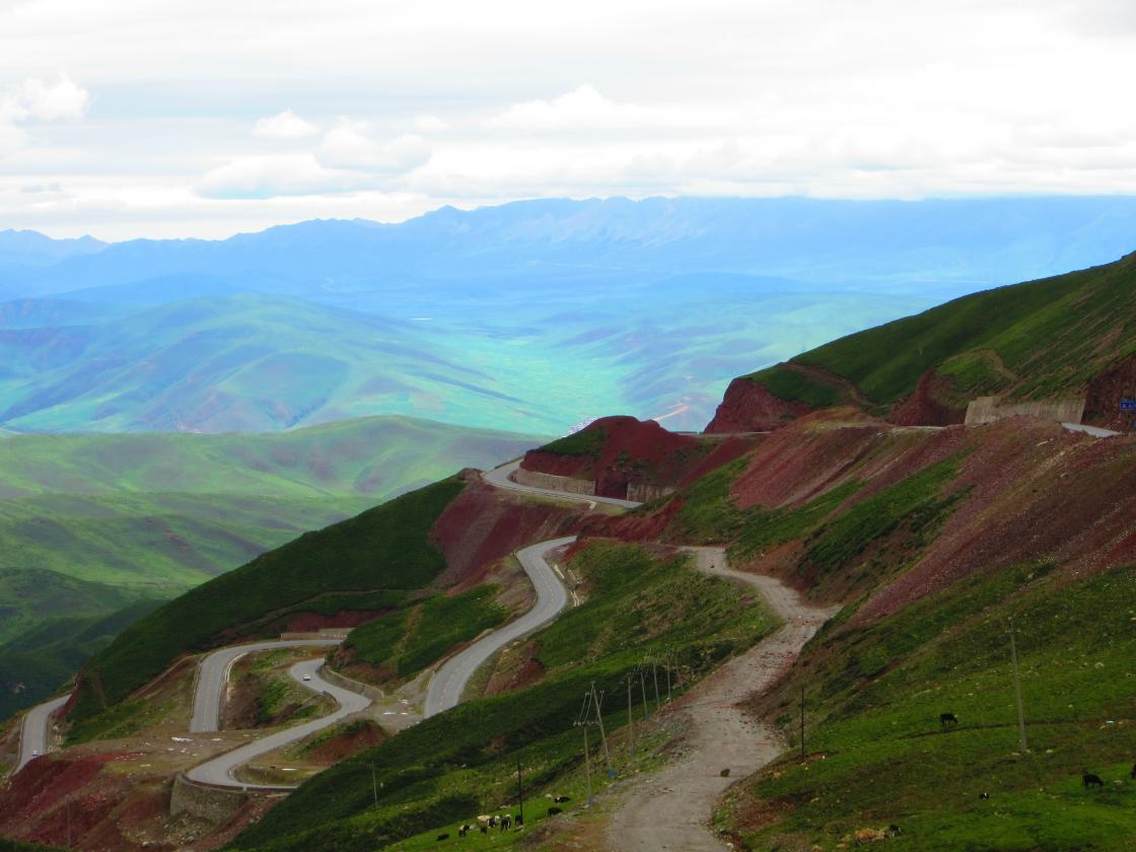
{"x": 802, "y": 724}
{"x": 1022, "y": 743}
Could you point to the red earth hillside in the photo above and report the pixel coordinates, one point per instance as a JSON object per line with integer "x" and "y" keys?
{"x": 1022, "y": 490}
{"x": 749, "y": 407}
{"x": 617, "y": 452}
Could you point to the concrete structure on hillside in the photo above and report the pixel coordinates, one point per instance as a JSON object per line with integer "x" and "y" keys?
{"x": 987, "y": 409}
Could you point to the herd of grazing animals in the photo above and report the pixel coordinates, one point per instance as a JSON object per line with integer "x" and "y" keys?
{"x": 504, "y": 823}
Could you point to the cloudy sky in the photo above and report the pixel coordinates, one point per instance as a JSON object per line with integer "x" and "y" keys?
{"x": 128, "y": 118}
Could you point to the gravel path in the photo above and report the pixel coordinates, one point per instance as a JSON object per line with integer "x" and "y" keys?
{"x": 671, "y": 809}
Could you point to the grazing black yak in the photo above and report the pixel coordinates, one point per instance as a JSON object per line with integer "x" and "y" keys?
{"x": 946, "y": 719}
{"x": 1091, "y": 780}
{"x": 553, "y": 811}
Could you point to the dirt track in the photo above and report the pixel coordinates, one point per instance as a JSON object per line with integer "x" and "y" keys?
{"x": 671, "y": 809}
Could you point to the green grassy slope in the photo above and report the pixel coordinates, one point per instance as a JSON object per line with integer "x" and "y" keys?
{"x": 367, "y": 557}
{"x": 55, "y": 595}
{"x": 1032, "y": 340}
{"x": 462, "y": 763}
{"x": 36, "y": 662}
{"x": 875, "y": 694}
{"x": 115, "y": 518}
{"x": 374, "y": 457}
{"x": 163, "y": 512}
{"x": 408, "y": 640}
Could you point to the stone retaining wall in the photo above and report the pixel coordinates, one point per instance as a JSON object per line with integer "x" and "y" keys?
{"x": 344, "y": 682}
{"x": 216, "y": 805}
{"x": 643, "y": 493}
{"x": 987, "y": 409}
{"x": 552, "y": 482}
{"x": 323, "y": 633}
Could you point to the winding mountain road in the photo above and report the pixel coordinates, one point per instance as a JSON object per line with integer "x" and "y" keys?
{"x": 448, "y": 683}
{"x": 213, "y": 676}
{"x": 34, "y": 728}
{"x": 219, "y": 770}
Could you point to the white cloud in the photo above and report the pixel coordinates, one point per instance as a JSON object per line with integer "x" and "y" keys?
{"x": 584, "y": 108}
{"x": 347, "y": 145}
{"x": 505, "y": 99}
{"x": 39, "y": 100}
{"x": 284, "y": 125}
{"x": 271, "y": 176}
{"x": 429, "y": 124}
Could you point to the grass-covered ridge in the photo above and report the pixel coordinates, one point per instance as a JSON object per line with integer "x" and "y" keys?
{"x": 461, "y": 763}
{"x": 875, "y": 694}
{"x": 588, "y": 442}
{"x": 1037, "y": 339}
{"x": 385, "y": 548}
{"x": 406, "y": 641}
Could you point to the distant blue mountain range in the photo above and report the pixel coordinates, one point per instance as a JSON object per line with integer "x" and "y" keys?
{"x": 532, "y": 315}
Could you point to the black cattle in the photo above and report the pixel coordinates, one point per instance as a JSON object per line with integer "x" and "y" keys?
{"x": 464, "y": 830}
{"x": 946, "y": 719}
{"x": 442, "y": 837}
{"x": 554, "y": 811}
{"x": 506, "y": 822}
{"x": 894, "y": 830}
{"x": 492, "y": 822}
{"x": 1091, "y": 780}
{"x": 519, "y": 820}
{"x": 562, "y": 799}
{"x": 984, "y": 795}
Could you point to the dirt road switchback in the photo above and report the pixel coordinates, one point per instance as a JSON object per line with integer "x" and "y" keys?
{"x": 672, "y": 809}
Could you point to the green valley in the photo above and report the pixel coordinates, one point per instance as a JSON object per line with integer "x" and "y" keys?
{"x": 97, "y": 525}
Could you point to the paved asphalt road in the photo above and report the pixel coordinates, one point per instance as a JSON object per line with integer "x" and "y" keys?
{"x": 213, "y": 674}
{"x": 33, "y": 730}
{"x": 449, "y": 682}
{"x": 219, "y": 770}
{"x": 499, "y": 478}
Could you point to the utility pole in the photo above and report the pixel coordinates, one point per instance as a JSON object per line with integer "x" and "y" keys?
{"x": 520, "y": 795}
{"x": 630, "y": 716}
{"x": 1018, "y": 691}
{"x": 374, "y": 785}
{"x": 802, "y": 724}
{"x": 597, "y": 702}
{"x": 588, "y": 765}
{"x": 668, "y": 659}
{"x": 583, "y": 719}
{"x": 655, "y": 675}
{"x": 643, "y": 690}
